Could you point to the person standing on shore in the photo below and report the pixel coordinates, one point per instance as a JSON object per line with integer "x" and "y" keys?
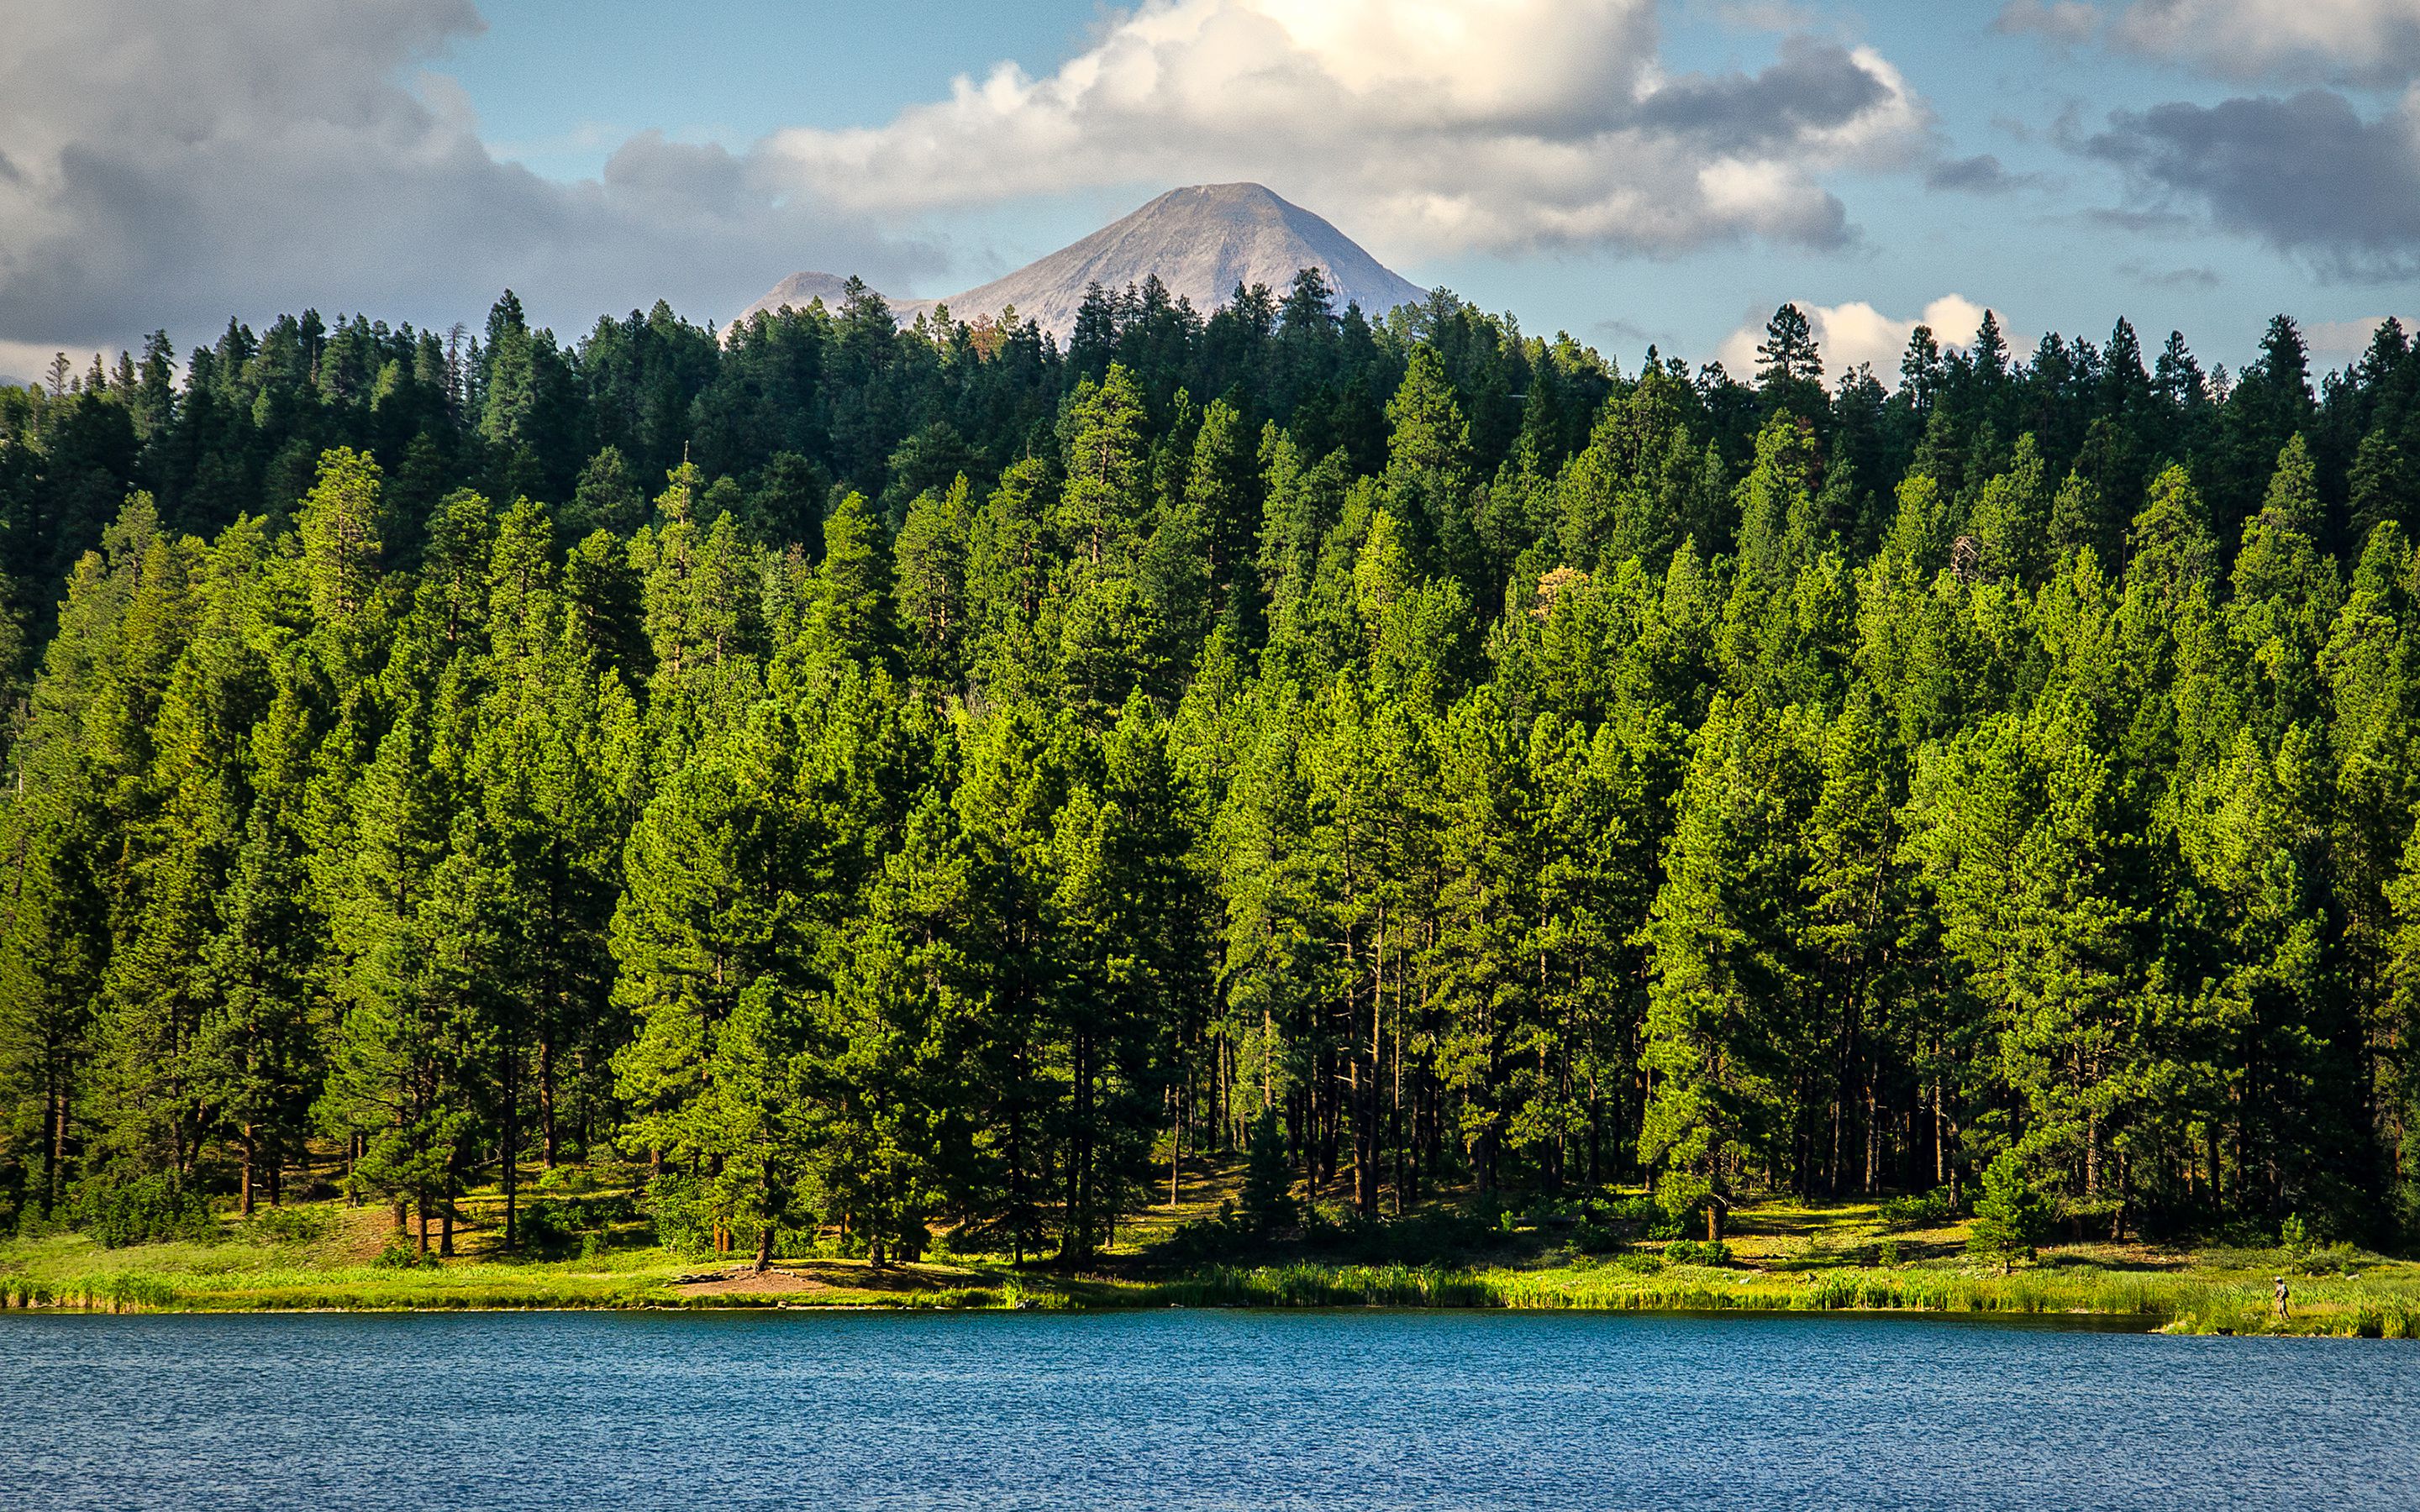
{"x": 2281, "y": 1298}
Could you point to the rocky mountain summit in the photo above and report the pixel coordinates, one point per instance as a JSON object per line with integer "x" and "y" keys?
{"x": 1200, "y": 242}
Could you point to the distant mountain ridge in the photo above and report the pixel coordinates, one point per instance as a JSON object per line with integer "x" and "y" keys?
{"x": 1202, "y": 241}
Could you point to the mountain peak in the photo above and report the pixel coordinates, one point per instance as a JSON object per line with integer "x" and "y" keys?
{"x": 1244, "y": 197}
{"x": 1200, "y": 242}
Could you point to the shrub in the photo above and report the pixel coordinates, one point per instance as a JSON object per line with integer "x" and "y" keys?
{"x": 1641, "y": 1262}
{"x": 2339, "y": 1259}
{"x": 675, "y": 1205}
{"x": 1417, "y": 1238}
{"x": 1268, "y": 1182}
{"x": 287, "y": 1226}
{"x": 559, "y": 1225}
{"x": 1206, "y": 1238}
{"x": 2294, "y": 1238}
{"x": 1639, "y": 1211}
{"x": 545, "y": 1229}
{"x": 2012, "y": 1217}
{"x": 1589, "y": 1238}
{"x": 1696, "y": 1252}
{"x": 144, "y": 1211}
{"x": 1683, "y": 1196}
{"x": 401, "y": 1254}
{"x": 1928, "y": 1211}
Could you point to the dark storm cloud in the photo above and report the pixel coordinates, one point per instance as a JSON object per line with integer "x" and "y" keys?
{"x": 1816, "y": 86}
{"x": 2193, "y": 278}
{"x": 168, "y": 166}
{"x": 2306, "y": 174}
{"x": 1979, "y": 174}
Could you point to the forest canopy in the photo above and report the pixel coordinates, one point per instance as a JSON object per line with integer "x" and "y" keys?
{"x": 905, "y": 780}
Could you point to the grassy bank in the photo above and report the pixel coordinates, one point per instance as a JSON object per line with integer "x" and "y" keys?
{"x": 1784, "y": 1257}
{"x": 2186, "y": 1300}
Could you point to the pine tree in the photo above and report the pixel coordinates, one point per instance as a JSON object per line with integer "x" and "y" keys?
{"x": 852, "y": 592}
{"x": 1428, "y": 467}
{"x": 2012, "y": 519}
{"x": 1223, "y": 498}
{"x": 2012, "y": 1218}
{"x": 341, "y": 526}
{"x": 930, "y": 591}
{"x": 1728, "y": 974}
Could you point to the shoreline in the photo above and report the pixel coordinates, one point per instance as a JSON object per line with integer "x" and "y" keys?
{"x": 1782, "y": 1258}
{"x": 2173, "y": 1304}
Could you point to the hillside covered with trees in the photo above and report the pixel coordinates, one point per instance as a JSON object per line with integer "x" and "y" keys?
{"x": 890, "y": 780}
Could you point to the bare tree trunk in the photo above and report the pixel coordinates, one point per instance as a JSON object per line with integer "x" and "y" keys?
{"x": 546, "y": 1098}
{"x": 512, "y": 1152}
{"x": 55, "y": 1160}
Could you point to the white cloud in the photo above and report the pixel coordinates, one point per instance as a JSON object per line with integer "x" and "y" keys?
{"x": 167, "y": 166}
{"x": 2338, "y": 343}
{"x": 1441, "y": 125}
{"x": 1856, "y": 333}
{"x": 2368, "y": 42}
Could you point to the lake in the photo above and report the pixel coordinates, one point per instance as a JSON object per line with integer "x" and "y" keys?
{"x": 1189, "y": 1410}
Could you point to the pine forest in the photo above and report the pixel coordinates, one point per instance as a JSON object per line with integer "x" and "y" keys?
{"x": 894, "y": 786}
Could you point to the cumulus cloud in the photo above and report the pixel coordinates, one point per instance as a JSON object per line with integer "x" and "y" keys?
{"x": 1450, "y": 125}
{"x": 2361, "y": 41}
{"x": 1856, "y": 333}
{"x": 169, "y": 165}
{"x": 2339, "y": 343}
{"x": 2370, "y": 42}
{"x": 2307, "y": 175}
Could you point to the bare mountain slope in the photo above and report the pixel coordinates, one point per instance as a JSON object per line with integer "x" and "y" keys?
{"x": 799, "y": 290}
{"x": 1202, "y": 241}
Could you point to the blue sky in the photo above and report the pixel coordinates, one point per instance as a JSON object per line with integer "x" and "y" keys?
{"x": 559, "y": 84}
{"x": 1624, "y": 170}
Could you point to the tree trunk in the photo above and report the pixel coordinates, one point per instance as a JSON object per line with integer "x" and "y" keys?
{"x": 546, "y": 1098}
{"x": 1176, "y": 1136}
{"x": 251, "y": 1163}
{"x": 55, "y": 1157}
{"x": 1306, "y": 1145}
{"x": 512, "y": 1158}
{"x": 765, "y": 1249}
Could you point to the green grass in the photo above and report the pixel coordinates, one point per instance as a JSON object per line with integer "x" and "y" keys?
{"x": 1788, "y": 1258}
{"x": 71, "y": 1270}
{"x": 2185, "y": 1302}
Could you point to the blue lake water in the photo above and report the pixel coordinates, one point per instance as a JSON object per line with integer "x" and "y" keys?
{"x": 1189, "y": 1410}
